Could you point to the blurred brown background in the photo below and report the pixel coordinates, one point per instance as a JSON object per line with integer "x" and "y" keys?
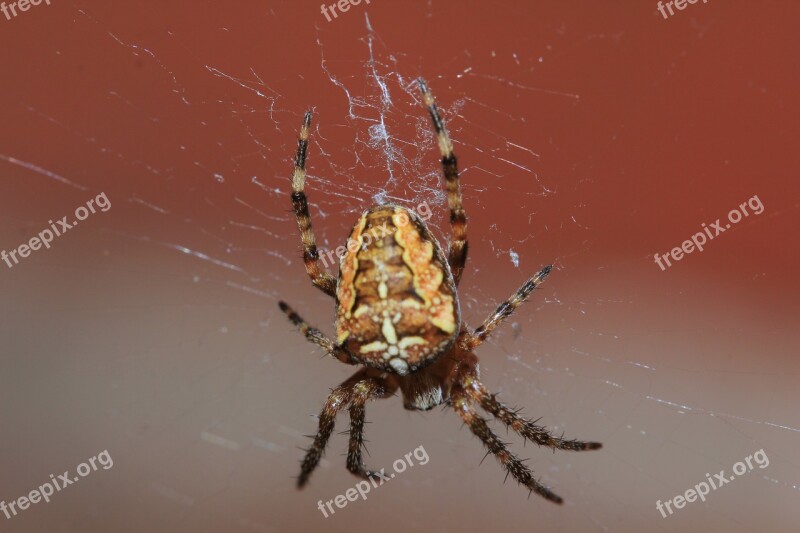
{"x": 590, "y": 134}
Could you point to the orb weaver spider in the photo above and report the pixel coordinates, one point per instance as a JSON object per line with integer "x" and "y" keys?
{"x": 398, "y": 315}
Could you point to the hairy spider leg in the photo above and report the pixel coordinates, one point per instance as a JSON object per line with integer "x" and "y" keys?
{"x": 321, "y": 279}
{"x": 522, "y": 426}
{"x": 457, "y": 257}
{"x": 504, "y": 310}
{"x": 362, "y": 386}
{"x": 512, "y": 465}
{"x": 316, "y": 336}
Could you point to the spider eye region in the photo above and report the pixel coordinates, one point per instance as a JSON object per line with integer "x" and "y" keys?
{"x": 398, "y": 309}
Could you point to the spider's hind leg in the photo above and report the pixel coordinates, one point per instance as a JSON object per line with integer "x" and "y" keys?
{"x": 321, "y": 279}
{"x": 457, "y": 257}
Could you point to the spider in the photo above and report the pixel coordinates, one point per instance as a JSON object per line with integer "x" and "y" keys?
{"x": 398, "y": 316}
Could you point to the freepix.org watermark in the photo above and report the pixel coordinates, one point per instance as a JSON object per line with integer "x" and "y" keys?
{"x": 362, "y": 488}
{"x": 423, "y": 210}
{"x": 699, "y": 240}
{"x": 343, "y": 5}
{"x": 702, "y": 489}
{"x": 56, "y": 484}
{"x": 679, "y": 4}
{"x": 46, "y": 236}
{"x": 10, "y": 9}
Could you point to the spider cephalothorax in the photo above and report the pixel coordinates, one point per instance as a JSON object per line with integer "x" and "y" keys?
{"x": 398, "y": 315}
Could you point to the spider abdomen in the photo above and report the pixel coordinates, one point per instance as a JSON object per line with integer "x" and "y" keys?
{"x": 397, "y": 308}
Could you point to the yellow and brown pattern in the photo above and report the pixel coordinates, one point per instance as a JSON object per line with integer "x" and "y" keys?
{"x": 397, "y": 309}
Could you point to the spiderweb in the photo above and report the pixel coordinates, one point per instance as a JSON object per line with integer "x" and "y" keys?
{"x": 192, "y": 378}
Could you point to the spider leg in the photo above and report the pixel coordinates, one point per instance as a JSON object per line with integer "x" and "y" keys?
{"x": 338, "y": 399}
{"x": 458, "y": 219}
{"x": 463, "y": 406}
{"x": 355, "y": 392}
{"x": 316, "y": 336}
{"x": 319, "y": 277}
{"x": 504, "y": 310}
{"x": 524, "y": 427}
{"x": 362, "y": 392}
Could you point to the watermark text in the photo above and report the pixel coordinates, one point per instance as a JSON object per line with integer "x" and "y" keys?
{"x": 353, "y": 245}
{"x": 702, "y": 489}
{"x": 699, "y": 239}
{"x": 10, "y": 10}
{"x": 343, "y": 5}
{"x": 362, "y": 488}
{"x": 679, "y": 5}
{"x": 46, "y": 236}
{"x": 56, "y": 484}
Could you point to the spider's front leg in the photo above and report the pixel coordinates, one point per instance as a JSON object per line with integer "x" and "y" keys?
{"x": 524, "y": 427}
{"x": 356, "y": 391}
{"x": 463, "y": 405}
{"x": 339, "y": 398}
{"x": 468, "y": 390}
{"x": 363, "y": 391}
